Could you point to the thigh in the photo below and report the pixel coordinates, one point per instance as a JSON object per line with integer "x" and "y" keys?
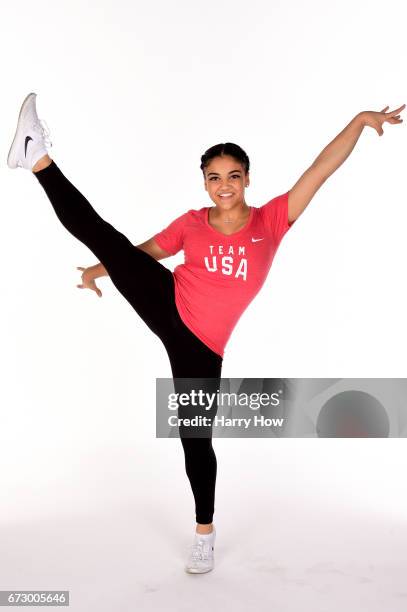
{"x": 197, "y": 374}
{"x": 189, "y": 356}
{"x": 146, "y": 284}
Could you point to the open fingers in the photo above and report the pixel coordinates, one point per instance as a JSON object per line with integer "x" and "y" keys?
{"x": 96, "y": 290}
{"x": 394, "y": 119}
{"x": 396, "y": 111}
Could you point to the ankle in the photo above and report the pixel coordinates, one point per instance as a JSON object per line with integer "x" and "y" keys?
{"x": 42, "y": 163}
{"x": 204, "y": 529}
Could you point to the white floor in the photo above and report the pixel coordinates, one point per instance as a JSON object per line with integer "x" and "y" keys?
{"x": 288, "y": 545}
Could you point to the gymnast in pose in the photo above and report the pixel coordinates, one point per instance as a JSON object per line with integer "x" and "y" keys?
{"x": 228, "y": 248}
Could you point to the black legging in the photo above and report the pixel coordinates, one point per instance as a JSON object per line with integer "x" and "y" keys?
{"x": 149, "y": 287}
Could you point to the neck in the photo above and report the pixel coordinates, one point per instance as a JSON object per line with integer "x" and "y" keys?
{"x": 233, "y": 215}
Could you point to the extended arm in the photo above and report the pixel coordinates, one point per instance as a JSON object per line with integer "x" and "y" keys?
{"x": 150, "y": 247}
{"x": 333, "y": 156}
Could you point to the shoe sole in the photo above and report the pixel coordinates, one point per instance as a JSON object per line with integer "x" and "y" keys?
{"x": 11, "y": 160}
{"x": 194, "y": 571}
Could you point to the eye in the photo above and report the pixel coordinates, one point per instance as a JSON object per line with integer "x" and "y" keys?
{"x": 233, "y": 176}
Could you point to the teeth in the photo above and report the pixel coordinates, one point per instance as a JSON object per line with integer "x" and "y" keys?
{"x": 225, "y": 195}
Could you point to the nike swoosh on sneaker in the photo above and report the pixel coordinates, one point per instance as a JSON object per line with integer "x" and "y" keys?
{"x": 257, "y": 239}
{"x": 27, "y": 140}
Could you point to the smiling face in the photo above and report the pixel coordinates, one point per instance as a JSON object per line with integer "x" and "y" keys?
{"x": 226, "y": 175}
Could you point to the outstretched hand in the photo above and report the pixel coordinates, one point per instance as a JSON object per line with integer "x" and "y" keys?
{"x": 88, "y": 280}
{"x": 376, "y": 120}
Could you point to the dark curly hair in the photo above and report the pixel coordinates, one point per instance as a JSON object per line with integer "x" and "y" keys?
{"x": 225, "y": 148}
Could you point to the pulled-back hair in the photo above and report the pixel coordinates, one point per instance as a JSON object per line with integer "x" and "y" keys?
{"x": 225, "y": 148}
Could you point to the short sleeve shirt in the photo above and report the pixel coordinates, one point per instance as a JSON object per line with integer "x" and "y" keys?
{"x": 222, "y": 274}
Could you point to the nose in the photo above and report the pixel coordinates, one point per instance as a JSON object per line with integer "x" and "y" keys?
{"x": 224, "y": 185}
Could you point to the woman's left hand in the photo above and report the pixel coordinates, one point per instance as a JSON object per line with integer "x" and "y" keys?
{"x": 376, "y": 120}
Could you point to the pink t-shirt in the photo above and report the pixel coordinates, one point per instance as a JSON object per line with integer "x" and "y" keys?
{"x": 222, "y": 274}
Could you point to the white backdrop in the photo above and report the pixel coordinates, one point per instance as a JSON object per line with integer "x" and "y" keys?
{"x": 134, "y": 93}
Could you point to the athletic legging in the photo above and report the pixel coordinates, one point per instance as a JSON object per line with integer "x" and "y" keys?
{"x": 149, "y": 287}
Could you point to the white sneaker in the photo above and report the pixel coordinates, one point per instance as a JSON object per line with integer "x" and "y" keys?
{"x": 31, "y": 137}
{"x": 201, "y": 557}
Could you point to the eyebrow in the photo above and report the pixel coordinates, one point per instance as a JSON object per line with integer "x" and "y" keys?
{"x": 217, "y": 174}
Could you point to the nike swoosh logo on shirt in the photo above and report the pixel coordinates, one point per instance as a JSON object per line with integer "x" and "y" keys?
{"x": 27, "y": 140}
{"x": 257, "y": 239}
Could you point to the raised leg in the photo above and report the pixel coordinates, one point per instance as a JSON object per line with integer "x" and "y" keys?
{"x": 145, "y": 283}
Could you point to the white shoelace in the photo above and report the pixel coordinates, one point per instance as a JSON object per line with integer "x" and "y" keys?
{"x": 42, "y": 128}
{"x": 200, "y": 551}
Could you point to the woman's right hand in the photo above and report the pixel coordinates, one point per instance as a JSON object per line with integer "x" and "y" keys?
{"x": 88, "y": 280}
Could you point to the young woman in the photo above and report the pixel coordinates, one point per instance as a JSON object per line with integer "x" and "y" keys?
{"x": 228, "y": 251}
